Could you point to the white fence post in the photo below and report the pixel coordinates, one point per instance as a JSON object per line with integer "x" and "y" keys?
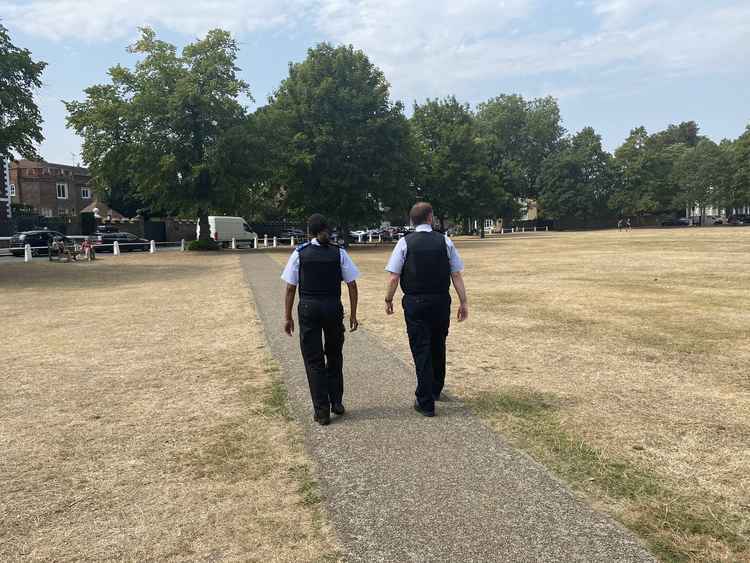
{"x": 369, "y": 236}
{"x": 534, "y": 228}
{"x": 274, "y": 242}
{"x": 234, "y": 243}
{"x": 265, "y": 241}
{"x": 380, "y": 237}
{"x": 292, "y": 242}
{"x": 27, "y": 253}
{"x": 359, "y": 237}
{"x": 182, "y": 245}
{"x": 546, "y": 228}
{"x": 153, "y": 247}
{"x": 255, "y": 242}
{"x": 523, "y": 229}
{"x": 116, "y": 248}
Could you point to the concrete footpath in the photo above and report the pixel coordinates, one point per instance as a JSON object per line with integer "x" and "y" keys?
{"x": 401, "y": 487}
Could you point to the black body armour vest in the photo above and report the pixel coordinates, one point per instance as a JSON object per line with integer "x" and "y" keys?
{"x": 427, "y": 270}
{"x": 319, "y": 271}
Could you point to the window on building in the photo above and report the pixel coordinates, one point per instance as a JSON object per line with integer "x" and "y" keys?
{"x": 45, "y": 211}
{"x": 12, "y": 190}
{"x": 62, "y": 191}
{"x": 85, "y": 192}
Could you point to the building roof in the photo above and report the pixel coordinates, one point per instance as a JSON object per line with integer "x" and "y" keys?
{"x": 26, "y": 164}
{"x": 104, "y": 210}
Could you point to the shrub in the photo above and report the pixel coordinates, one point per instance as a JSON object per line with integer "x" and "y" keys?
{"x": 203, "y": 245}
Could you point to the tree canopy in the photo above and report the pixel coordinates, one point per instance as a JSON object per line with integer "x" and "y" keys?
{"x": 577, "y": 181}
{"x": 20, "y": 119}
{"x": 453, "y": 170}
{"x": 164, "y": 126}
{"x": 342, "y": 147}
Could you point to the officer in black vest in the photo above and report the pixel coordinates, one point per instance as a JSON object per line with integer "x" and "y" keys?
{"x": 318, "y": 268}
{"x": 424, "y": 263}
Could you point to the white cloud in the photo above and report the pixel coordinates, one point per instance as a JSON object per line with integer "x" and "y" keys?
{"x": 442, "y": 47}
{"x": 104, "y": 19}
{"x": 434, "y": 47}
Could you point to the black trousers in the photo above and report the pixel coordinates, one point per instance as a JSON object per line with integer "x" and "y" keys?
{"x": 428, "y": 318}
{"x": 324, "y": 361}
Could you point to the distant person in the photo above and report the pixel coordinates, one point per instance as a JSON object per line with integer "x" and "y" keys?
{"x": 628, "y": 226}
{"x": 87, "y": 249}
{"x": 619, "y": 225}
{"x": 318, "y": 268}
{"x": 424, "y": 263}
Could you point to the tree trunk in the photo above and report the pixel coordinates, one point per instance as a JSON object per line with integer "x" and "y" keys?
{"x": 481, "y": 227}
{"x": 205, "y": 227}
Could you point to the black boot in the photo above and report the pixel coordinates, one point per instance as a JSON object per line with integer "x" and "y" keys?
{"x": 338, "y": 408}
{"x": 323, "y": 416}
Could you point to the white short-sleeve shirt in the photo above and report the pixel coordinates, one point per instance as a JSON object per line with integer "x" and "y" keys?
{"x": 398, "y": 257}
{"x": 349, "y": 272}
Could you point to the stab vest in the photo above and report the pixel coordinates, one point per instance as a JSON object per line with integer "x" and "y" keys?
{"x": 319, "y": 271}
{"x": 427, "y": 269}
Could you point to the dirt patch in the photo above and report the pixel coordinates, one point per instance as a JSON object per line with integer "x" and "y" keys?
{"x": 141, "y": 418}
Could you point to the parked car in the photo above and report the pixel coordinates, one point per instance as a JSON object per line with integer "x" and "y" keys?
{"x": 298, "y": 234}
{"x": 38, "y": 240}
{"x": 104, "y": 242}
{"x": 223, "y": 229}
{"x": 673, "y": 222}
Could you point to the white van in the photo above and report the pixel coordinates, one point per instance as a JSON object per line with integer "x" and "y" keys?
{"x": 224, "y": 229}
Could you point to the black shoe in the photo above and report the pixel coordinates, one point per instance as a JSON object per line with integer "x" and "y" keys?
{"x": 423, "y": 411}
{"x": 338, "y": 408}
{"x": 323, "y": 417}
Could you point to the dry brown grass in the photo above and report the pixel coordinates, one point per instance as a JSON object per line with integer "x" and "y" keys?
{"x": 140, "y": 419}
{"x": 640, "y": 344}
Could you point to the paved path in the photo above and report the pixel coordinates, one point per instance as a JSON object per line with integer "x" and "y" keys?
{"x": 400, "y": 487}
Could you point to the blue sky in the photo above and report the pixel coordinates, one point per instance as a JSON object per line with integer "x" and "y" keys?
{"x": 613, "y": 64}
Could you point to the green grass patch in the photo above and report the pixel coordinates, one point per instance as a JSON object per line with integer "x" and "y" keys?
{"x": 676, "y": 528}
{"x": 308, "y": 486}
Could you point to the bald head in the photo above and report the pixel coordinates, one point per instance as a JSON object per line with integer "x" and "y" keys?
{"x": 421, "y": 214}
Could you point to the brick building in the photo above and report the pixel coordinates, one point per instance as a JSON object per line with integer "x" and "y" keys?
{"x": 52, "y": 190}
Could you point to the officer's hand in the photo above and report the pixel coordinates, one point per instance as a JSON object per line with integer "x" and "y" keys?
{"x": 389, "y": 307}
{"x": 289, "y": 326}
{"x": 353, "y": 324}
{"x": 463, "y": 312}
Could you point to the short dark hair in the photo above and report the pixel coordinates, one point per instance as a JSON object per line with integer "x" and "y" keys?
{"x": 420, "y": 212}
{"x": 317, "y": 223}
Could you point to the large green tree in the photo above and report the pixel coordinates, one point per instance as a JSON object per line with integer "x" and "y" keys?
{"x": 645, "y": 164}
{"x": 520, "y": 134}
{"x": 577, "y": 181}
{"x": 453, "y": 172}
{"x": 20, "y": 119}
{"x": 342, "y": 147}
{"x": 702, "y": 173}
{"x": 166, "y": 125}
{"x": 736, "y": 192}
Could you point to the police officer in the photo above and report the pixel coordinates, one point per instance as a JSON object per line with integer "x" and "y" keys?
{"x": 424, "y": 263}
{"x": 318, "y": 268}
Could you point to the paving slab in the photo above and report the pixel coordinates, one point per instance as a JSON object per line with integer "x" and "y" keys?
{"x": 401, "y": 487}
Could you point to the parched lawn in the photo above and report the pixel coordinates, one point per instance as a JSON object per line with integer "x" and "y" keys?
{"x": 619, "y": 360}
{"x": 141, "y": 418}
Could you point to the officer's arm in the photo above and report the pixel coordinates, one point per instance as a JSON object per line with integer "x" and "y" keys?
{"x": 463, "y": 308}
{"x": 353, "y": 300}
{"x": 393, "y": 280}
{"x": 291, "y": 291}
